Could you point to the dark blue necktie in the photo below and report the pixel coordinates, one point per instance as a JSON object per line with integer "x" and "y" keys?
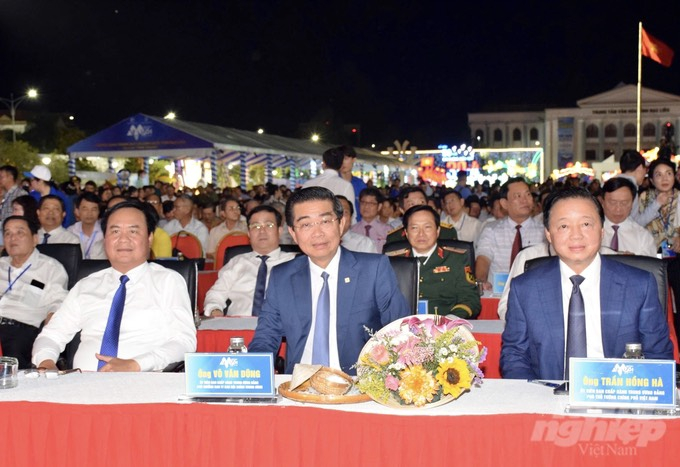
{"x": 321, "y": 327}
{"x": 576, "y": 324}
{"x": 258, "y": 298}
{"x": 45, "y": 238}
{"x": 110, "y": 339}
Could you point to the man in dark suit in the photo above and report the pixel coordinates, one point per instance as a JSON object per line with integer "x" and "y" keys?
{"x": 618, "y": 304}
{"x": 323, "y": 302}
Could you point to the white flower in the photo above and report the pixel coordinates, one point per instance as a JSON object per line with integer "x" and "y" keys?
{"x": 444, "y": 351}
{"x": 453, "y": 348}
{"x": 396, "y": 366}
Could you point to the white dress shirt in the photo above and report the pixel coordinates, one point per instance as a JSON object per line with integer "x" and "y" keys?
{"x": 650, "y": 212}
{"x": 220, "y": 230}
{"x": 236, "y": 281}
{"x": 317, "y": 283}
{"x": 357, "y": 242}
{"x": 467, "y": 228}
{"x": 633, "y": 238}
{"x": 92, "y": 245}
{"x": 38, "y": 288}
{"x": 58, "y": 235}
{"x": 157, "y": 327}
{"x": 332, "y": 180}
{"x": 194, "y": 226}
{"x": 590, "y": 289}
{"x": 496, "y": 239}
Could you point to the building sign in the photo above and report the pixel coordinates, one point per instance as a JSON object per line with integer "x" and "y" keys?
{"x": 565, "y": 141}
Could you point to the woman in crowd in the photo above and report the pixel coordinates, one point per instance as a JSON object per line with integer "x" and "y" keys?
{"x": 664, "y": 226}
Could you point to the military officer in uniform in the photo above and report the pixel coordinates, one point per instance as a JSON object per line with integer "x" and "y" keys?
{"x": 446, "y": 279}
{"x": 409, "y": 197}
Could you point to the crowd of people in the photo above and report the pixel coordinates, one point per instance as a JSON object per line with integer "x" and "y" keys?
{"x": 317, "y": 273}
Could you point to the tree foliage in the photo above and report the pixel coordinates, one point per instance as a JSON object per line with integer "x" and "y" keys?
{"x": 20, "y": 154}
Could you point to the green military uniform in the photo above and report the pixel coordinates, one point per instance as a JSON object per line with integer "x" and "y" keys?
{"x": 447, "y": 283}
{"x": 446, "y": 232}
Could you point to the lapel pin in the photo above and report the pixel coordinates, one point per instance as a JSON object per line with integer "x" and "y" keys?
{"x": 346, "y": 280}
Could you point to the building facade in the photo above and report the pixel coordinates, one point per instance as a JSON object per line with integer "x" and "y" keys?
{"x": 600, "y": 125}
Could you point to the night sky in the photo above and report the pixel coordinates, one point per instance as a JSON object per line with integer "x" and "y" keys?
{"x": 401, "y": 70}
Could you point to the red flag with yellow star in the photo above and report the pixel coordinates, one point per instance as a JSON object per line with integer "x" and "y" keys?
{"x": 656, "y": 50}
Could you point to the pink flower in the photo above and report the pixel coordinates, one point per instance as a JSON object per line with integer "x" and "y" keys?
{"x": 380, "y": 355}
{"x": 391, "y": 383}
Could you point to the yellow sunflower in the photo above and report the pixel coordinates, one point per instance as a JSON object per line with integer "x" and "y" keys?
{"x": 454, "y": 376}
{"x": 417, "y": 386}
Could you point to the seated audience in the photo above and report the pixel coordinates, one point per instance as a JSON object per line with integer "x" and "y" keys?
{"x": 36, "y": 286}
{"x": 370, "y": 225}
{"x": 133, "y": 316}
{"x": 241, "y": 283}
{"x": 185, "y": 221}
{"x": 351, "y": 240}
{"x": 604, "y": 304}
{"x": 446, "y": 279}
{"x": 231, "y": 213}
{"x": 88, "y": 229}
{"x": 51, "y": 215}
{"x": 323, "y": 302}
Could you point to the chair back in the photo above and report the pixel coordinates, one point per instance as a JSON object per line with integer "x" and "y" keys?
{"x": 460, "y": 244}
{"x": 233, "y": 251}
{"x": 187, "y": 243}
{"x": 68, "y": 254}
{"x": 235, "y": 238}
{"x": 406, "y": 270}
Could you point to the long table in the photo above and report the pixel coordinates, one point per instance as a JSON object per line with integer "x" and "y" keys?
{"x": 214, "y": 334}
{"x": 136, "y": 419}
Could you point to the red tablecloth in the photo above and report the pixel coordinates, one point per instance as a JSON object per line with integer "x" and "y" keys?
{"x": 38, "y": 434}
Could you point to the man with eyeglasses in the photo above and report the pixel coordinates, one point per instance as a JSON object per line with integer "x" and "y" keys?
{"x": 370, "y": 224}
{"x": 33, "y": 287}
{"x": 185, "y": 221}
{"x": 241, "y": 283}
{"x": 323, "y": 303}
{"x": 621, "y": 233}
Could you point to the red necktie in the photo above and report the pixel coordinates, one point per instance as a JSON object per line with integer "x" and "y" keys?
{"x": 516, "y": 245}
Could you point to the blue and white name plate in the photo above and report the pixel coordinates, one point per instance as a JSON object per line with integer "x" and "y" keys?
{"x": 229, "y": 374}
{"x": 422, "y": 307}
{"x": 622, "y": 383}
{"x": 498, "y": 282}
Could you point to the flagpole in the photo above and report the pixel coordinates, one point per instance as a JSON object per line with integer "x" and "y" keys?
{"x": 639, "y": 83}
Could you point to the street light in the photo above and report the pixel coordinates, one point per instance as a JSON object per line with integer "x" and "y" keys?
{"x": 315, "y": 138}
{"x": 170, "y": 116}
{"x": 13, "y": 102}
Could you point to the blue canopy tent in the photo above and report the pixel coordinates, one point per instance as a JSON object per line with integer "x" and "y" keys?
{"x": 147, "y": 136}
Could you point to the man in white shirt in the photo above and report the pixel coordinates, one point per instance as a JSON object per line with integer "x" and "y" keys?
{"x": 467, "y": 227}
{"x": 352, "y": 240}
{"x": 330, "y": 178}
{"x": 495, "y": 246}
{"x": 51, "y": 215}
{"x": 35, "y": 286}
{"x": 185, "y": 221}
{"x": 237, "y": 282}
{"x": 231, "y": 213}
{"x": 156, "y": 327}
{"x": 323, "y": 302}
{"x": 634, "y": 168}
{"x": 621, "y": 233}
{"x": 88, "y": 229}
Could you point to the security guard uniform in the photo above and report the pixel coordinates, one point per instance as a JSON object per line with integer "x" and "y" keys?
{"x": 447, "y": 282}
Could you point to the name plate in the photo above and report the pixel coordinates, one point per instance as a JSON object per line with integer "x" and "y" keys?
{"x": 229, "y": 374}
{"x": 422, "y": 307}
{"x": 498, "y": 283}
{"x": 622, "y": 383}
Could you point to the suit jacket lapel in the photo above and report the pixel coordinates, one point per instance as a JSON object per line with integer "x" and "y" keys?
{"x": 551, "y": 304}
{"x": 612, "y": 293}
{"x": 301, "y": 285}
{"x": 346, "y": 287}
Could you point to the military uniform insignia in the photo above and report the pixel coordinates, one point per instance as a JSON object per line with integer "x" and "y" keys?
{"x": 441, "y": 269}
{"x": 440, "y": 252}
{"x": 446, "y": 225}
{"x": 403, "y": 252}
{"x": 403, "y": 234}
{"x": 460, "y": 251}
{"x": 469, "y": 276}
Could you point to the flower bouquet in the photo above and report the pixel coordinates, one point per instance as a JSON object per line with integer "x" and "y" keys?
{"x": 425, "y": 360}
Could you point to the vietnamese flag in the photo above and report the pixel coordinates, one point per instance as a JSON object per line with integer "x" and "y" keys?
{"x": 656, "y": 50}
